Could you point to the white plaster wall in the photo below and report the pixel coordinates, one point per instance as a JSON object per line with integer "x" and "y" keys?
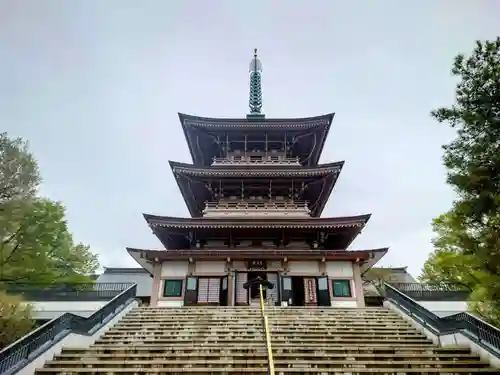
{"x": 339, "y": 269}
{"x": 53, "y": 309}
{"x": 347, "y": 303}
{"x": 304, "y": 267}
{"x": 239, "y": 265}
{"x": 211, "y": 267}
{"x": 443, "y": 308}
{"x": 73, "y": 340}
{"x": 274, "y": 264}
{"x": 177, "y": 268}
{"x": 170, "y": 303}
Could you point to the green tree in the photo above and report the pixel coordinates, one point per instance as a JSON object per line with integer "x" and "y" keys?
{"x": 19, "y": 176}
{"x": 473, "y": 163}
{"x": 16, "y": 319}
{"x": 449, "y": 263}
{"x": 40, "y": 249}
{"x": 35, "y": 243}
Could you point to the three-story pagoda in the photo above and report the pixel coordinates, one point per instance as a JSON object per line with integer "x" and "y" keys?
{"x": 255, "y": 192}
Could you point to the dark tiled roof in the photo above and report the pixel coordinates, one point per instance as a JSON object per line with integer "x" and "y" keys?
{"x": 113, "y": 270}
{"x": 389, "y": 274}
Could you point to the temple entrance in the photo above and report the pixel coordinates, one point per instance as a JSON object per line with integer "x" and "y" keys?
{"x": 298, "y": 291}
{"x": 254, "y": 289}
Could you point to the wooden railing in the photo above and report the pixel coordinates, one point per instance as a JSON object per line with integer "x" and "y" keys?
{"x": 257, "y": 205}
{"x": 256, "y": 160}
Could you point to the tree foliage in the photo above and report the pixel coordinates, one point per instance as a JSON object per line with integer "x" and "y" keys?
{"x": 17, "y": 319}
{"x": 35, "y": 243}
{"x": 39, "y": 248}
{"x": 468, "y": 237}
{"x": 19, "y": 176}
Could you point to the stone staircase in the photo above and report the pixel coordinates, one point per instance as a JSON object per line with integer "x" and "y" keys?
{"x": 231, "y": 341}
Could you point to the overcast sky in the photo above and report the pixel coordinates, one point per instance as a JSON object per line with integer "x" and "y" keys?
{"x": 95, "y": 86}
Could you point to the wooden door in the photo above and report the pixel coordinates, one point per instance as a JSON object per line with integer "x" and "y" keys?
{"x": 286, "y": 289}
{"x": 223, "y": 296}
{"x": 191, "y": 295}
{"x": 323, "y": 288}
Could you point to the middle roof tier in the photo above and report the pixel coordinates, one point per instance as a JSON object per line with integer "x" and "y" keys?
{"x": 204, "y": 185}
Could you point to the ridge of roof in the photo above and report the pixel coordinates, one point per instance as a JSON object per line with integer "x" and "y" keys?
{"x": 183, "y": 117}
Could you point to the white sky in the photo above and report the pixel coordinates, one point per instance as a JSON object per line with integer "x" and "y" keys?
{"x": 95, "y": 86}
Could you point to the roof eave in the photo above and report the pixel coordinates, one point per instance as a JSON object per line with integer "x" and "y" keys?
{"x": 376, "y": 255}
{"x": 190, "y": 203}
{"x": 326, "y": 130}
{"x": 144, "y": 263}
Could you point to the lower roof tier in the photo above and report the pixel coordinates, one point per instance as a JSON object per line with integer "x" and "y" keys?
{"x": 202, "y": 233}
{"x": 365, "y": 258}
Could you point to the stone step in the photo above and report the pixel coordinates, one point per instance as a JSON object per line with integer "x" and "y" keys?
{"x": 247, "y": 309}
{"x": 278, "y": 349}
{"x": 276, "y": 344}
{"x": 277, "y": 323}
{"x": 192, "y": 336}
{"x": 260, "y": 330}
{"x": 237, "y": 339}
{"x": 208, "y": 321}
{"x": 277, "y": 356}
{"x": 263, "y": 371}
{"x": 230, "y": 362}
{"x": 310, "y": 312}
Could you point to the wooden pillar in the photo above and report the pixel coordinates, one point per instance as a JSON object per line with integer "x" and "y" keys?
{"x": 230, "y": 282}
{"x": 358, "y": 285}
{"x": 155, "y": 290}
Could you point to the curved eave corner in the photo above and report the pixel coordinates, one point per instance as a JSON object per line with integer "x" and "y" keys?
{"x": 192, "y": 207}
{"x": 326, "y": 195}
{"x": 326, "y": 130}
{"x": 137, "y": 255}
{"x": 375, "y": 256}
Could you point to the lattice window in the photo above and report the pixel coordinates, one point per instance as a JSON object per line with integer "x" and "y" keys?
{"x": 342, "y": 288}
{"x": 208, "y": 290}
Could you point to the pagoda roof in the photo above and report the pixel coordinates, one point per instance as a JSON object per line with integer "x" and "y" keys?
{"x": 200, "y": 131}
{"x": 192, "y": 180}
{"x": 366, "y": 258}
{"x": 358, "y": 221}
{"x": 179, "y": 233}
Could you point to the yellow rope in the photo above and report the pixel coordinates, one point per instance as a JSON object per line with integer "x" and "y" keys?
{"x": 268, "y": 333}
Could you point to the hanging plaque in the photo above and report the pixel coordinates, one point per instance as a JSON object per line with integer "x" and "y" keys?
{"x": 256, "y": 264}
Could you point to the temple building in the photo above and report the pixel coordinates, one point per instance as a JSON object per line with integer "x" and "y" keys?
{"x": 255, "y": 192}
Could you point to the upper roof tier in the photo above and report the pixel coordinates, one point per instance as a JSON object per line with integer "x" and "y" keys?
{"x": 200, "y": 185}
{"x": 210, "y": 138}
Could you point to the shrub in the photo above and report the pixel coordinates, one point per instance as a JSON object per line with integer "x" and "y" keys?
{"x": 16, "y": 319}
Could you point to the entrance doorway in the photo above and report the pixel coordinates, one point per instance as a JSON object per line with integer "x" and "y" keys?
{"x": 298, "y": 298}
{"x": 254, "y": 289}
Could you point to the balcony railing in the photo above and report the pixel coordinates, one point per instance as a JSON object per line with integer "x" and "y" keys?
{"x": 265, "y": 160}
{"x": 66, "y": 292}
{"x": 257, "y": 205}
